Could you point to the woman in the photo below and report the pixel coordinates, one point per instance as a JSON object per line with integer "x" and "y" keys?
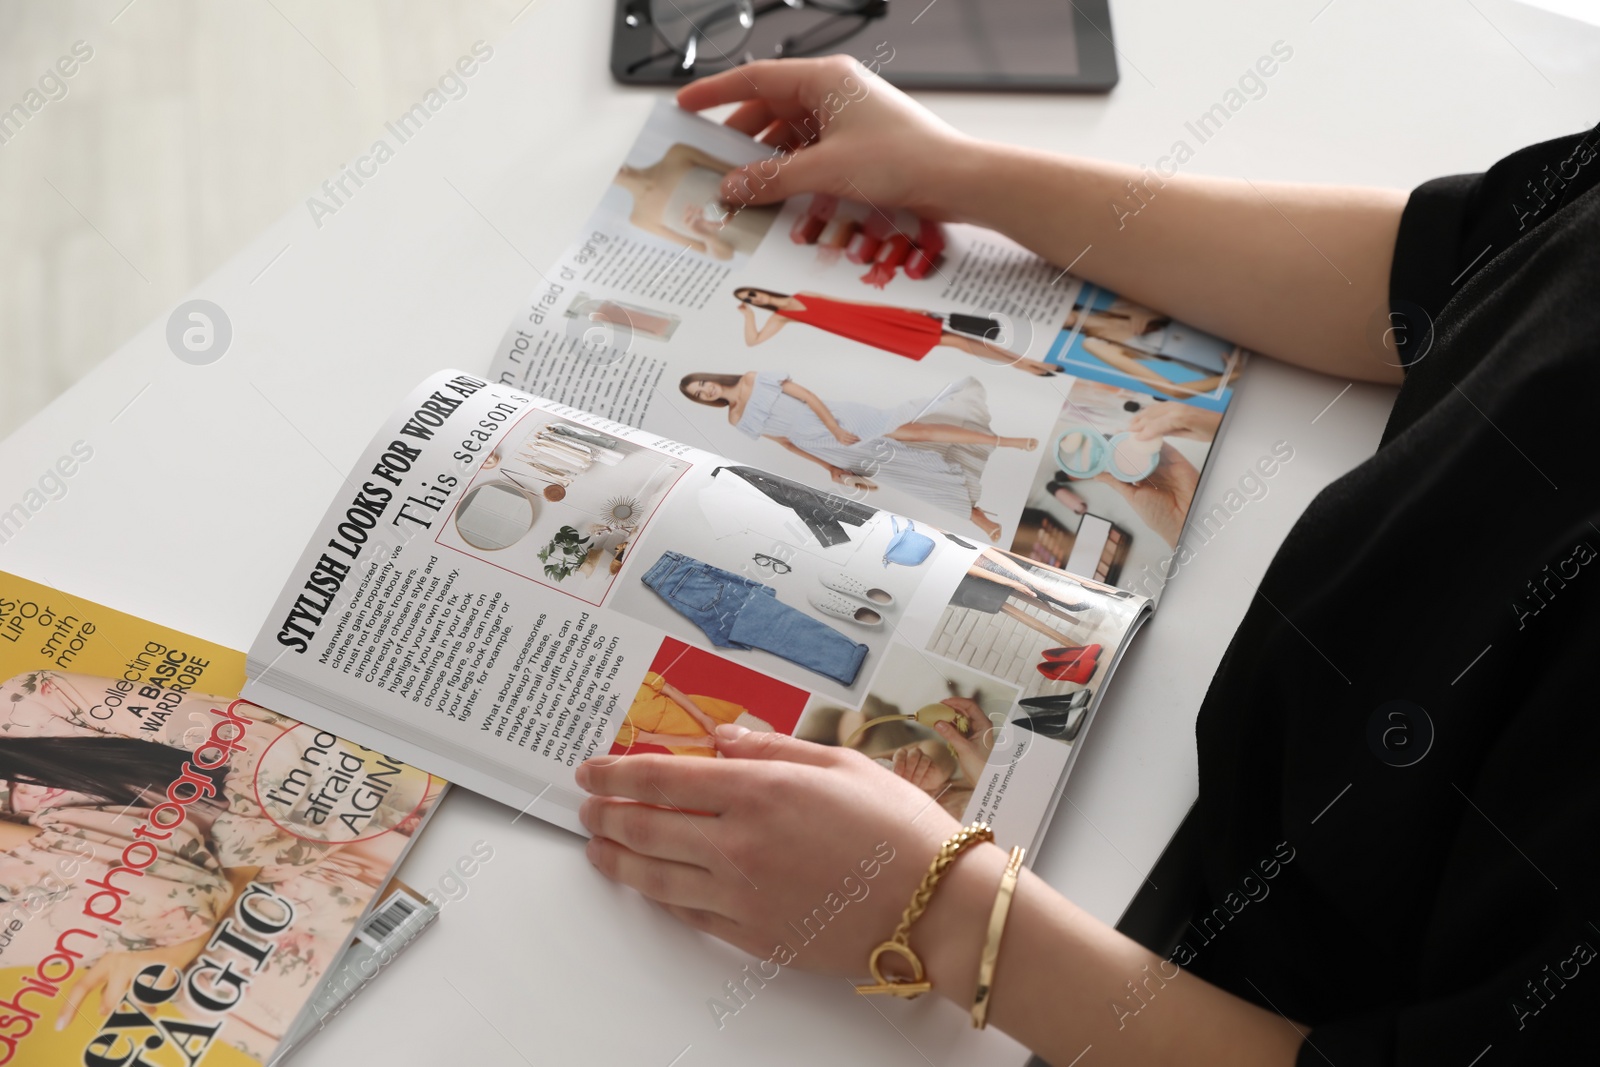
{"x": 677, "y": 198}
{"x": 948, "y": 772}
{"x": 1426, "y": 904}
{"x": 664, "y": 715}
{"x": 935, "y": 449}
{"x": 1128, "y": 338}
{"x": 994, "y": 578}
{"x": 912, "y": 334}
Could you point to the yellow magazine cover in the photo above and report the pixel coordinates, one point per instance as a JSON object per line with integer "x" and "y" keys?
{"x": 178, "y": 868}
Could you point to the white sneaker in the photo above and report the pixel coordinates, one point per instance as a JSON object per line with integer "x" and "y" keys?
{"x": 842, "y": 607}
{"x": 851, "y": 586}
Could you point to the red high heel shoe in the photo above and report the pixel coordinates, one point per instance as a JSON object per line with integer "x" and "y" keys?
{"x": 1077, "y": 672}
{"x": 1069, "y": 653}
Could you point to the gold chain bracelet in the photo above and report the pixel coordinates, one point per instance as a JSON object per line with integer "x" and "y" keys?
{"x": 899, "y": 943}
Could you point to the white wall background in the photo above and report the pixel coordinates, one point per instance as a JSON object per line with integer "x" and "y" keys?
{"x": 193, "y": 126}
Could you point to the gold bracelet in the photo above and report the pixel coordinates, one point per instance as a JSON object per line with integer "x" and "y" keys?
{"x": 899, "y": 942}
{"x": 991, "y": 947}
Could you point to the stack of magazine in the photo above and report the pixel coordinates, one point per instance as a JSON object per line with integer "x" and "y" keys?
{"x": 815, "y": 468}
{"x": 185, "y": 877}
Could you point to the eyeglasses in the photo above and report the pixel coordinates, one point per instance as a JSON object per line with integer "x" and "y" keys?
{"x": 708, "y": 35}
{"x": 777, "y": 566}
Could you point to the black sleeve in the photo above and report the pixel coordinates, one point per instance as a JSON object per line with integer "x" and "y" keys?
{"x": 1452, "y": 226}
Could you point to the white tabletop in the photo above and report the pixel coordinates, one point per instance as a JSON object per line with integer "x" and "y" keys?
{"x": 205, "y": 480}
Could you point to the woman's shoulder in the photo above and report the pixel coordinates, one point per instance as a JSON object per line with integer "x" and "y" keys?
{"x": 755, "y": 407}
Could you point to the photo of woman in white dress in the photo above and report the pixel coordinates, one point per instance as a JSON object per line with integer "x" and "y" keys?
{"x": 934, "y": 448}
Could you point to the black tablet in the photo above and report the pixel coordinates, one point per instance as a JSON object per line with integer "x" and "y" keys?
{"x": 1040, "y": 45}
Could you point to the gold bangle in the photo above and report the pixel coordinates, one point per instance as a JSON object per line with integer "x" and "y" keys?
{"x": 991, "y": 947}
{"x": 899, "y": 943}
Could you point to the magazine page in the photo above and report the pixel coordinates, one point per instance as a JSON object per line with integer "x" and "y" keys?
{"x": 508, "y": 586}
{"x": 178, "y": 867}
{"x": 949, "y": 374}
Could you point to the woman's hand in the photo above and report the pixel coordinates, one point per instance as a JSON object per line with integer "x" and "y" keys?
{"x": 742, "y": 846}
{"x": 1161, "y": 500}
{"x": 113, "y": 975}
{"x": 920, "y": 769}
{"x": 844, "y": 436}
{"x": 973, "y": 748}
{"x": 1169, "y": 418}
{"x": 839, "y": 129}
{"x": 852, "y": 480}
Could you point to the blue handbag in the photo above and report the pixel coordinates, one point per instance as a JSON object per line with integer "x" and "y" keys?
{"x": 909, "y": 546}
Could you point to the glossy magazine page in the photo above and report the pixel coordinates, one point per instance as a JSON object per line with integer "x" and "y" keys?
{"x": 947, "y": 373}
{"x": 506, "y": 586}
{"x": 178, "y": 867}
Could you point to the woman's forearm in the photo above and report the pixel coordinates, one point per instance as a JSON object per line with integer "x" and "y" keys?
{"x": 1294, "y": 271}
{"x": 812, "y": 401}
{"x": 690, "y": 708}
{"x": 1066, "y": 981}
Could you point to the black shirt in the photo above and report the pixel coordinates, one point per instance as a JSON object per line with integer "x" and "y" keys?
{"x": 1400, "y": 755}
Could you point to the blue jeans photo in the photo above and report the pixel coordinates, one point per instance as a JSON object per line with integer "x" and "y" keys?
{"x": 737, "y": 612}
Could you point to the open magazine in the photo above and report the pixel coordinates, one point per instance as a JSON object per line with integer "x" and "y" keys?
{"x": 812, "y": 468}
{"x": 988, "y": 392}
{"x": 179, "y": 869}
{"x": 508, "y": 586}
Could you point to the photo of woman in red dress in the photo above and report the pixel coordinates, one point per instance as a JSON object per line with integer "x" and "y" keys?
{"x": 902, "y": 331}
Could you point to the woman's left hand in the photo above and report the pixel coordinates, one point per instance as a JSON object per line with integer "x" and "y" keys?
{"x": 844, "y": 436}
{"x": 114, "y": 973}
{"x": 741, "y": 846}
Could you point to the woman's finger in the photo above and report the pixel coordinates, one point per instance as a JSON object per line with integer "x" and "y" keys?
{"x": 739, "y": 743}
{"x": 750, "y": 117}
{"x": 672, "y": 781}
{"x": 681, "y": 884}
{"x": 779, "y": 82}
{"x": 649, "y": 830}
{"x": 790, "y": 136}
{"x": 92, "y": 980}
{"x": 116, "y": 987}
{"x": 708, "y": 922}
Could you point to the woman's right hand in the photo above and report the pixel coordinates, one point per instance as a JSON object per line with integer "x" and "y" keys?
{"x": 840, "y": 476}
{"x": 842, "y": 435}
{"x": 1162, "y": 500}
{"x": 740, "y": 846}
{"x": 839, "y": 128}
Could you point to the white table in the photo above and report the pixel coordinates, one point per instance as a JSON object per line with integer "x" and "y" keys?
{"x": 542, "y": 962}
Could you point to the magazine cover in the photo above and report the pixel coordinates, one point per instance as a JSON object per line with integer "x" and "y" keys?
{"x": 940, "y": 371}
{"x": 179, "y": 868}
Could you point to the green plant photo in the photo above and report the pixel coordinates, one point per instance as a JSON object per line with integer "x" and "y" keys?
{"x": 564, "y": 553}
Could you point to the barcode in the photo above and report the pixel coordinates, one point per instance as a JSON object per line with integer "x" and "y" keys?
{"x": 387, "y": 919}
